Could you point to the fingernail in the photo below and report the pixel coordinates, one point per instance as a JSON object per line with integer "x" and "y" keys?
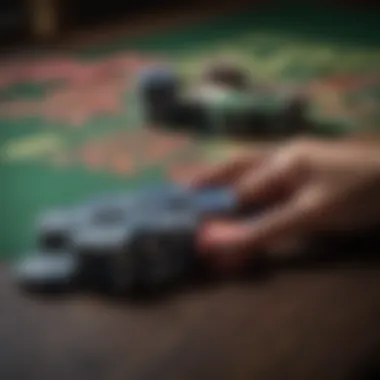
{"x": 217, "y": 234}
{"x": 203, "y": 241}
{"x": 206, "y": 239}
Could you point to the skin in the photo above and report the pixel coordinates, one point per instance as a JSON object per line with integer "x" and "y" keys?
{"x": 306, "y": 185}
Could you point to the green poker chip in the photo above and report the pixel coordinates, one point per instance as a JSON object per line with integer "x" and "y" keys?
{"x": 237, "y": 102}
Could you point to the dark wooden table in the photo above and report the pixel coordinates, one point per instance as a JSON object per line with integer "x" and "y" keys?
{"x": 320, "y": 323}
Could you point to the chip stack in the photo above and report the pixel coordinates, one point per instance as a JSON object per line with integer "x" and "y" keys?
{"x": 228, "y": 75}
{"x": 158, "y": 89}
{"x": 223, "y": 103}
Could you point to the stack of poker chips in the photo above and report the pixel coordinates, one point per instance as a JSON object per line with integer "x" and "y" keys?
{"x": 223, "y": 102}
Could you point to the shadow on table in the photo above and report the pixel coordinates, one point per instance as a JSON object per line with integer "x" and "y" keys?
{"x": 369, "y": 368}
{"x": 345, "y": 249}
{"x": 351, "y": 251}
{"x": 357, "y": 251}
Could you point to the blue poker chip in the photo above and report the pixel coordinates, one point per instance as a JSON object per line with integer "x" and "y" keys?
{"x": 152, "y": 77}
{"x": 216, "y": 201}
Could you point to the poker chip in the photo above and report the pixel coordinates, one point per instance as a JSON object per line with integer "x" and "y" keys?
{"x": 208, "y": 94}
{"x": 227, "y": 73}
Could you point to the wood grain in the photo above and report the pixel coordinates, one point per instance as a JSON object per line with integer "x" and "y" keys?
{"x": 320, "y": 323}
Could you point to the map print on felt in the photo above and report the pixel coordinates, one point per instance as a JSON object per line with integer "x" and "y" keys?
{"x": 84, "y": 100}
{"x": 70, "y": 125}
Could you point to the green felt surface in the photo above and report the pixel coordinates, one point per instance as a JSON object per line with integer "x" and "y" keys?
{"x": 61, "y": 156}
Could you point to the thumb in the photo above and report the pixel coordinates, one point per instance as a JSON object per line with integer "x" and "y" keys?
{"x": 293, "y": 217}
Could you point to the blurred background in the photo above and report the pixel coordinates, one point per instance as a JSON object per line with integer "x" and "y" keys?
{"x": 41, "y": 20}
{"x": 71, "y": 128}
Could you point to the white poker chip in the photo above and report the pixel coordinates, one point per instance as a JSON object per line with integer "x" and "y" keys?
{"x": 208, "y": 94}
{"x": 46, "y": 268}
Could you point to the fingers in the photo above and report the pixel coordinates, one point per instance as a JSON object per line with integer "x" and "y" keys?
{"x": 276, "y": 176}
{"x": 228, "y": 172}
{"x": 294, "y": 217}
{"x": 257, "y": 179}
{"x": 297, "y": 216}
{"x": 217, "y": 243}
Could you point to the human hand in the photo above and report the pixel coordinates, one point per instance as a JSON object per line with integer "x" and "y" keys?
{"x": 310, "y": 185}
